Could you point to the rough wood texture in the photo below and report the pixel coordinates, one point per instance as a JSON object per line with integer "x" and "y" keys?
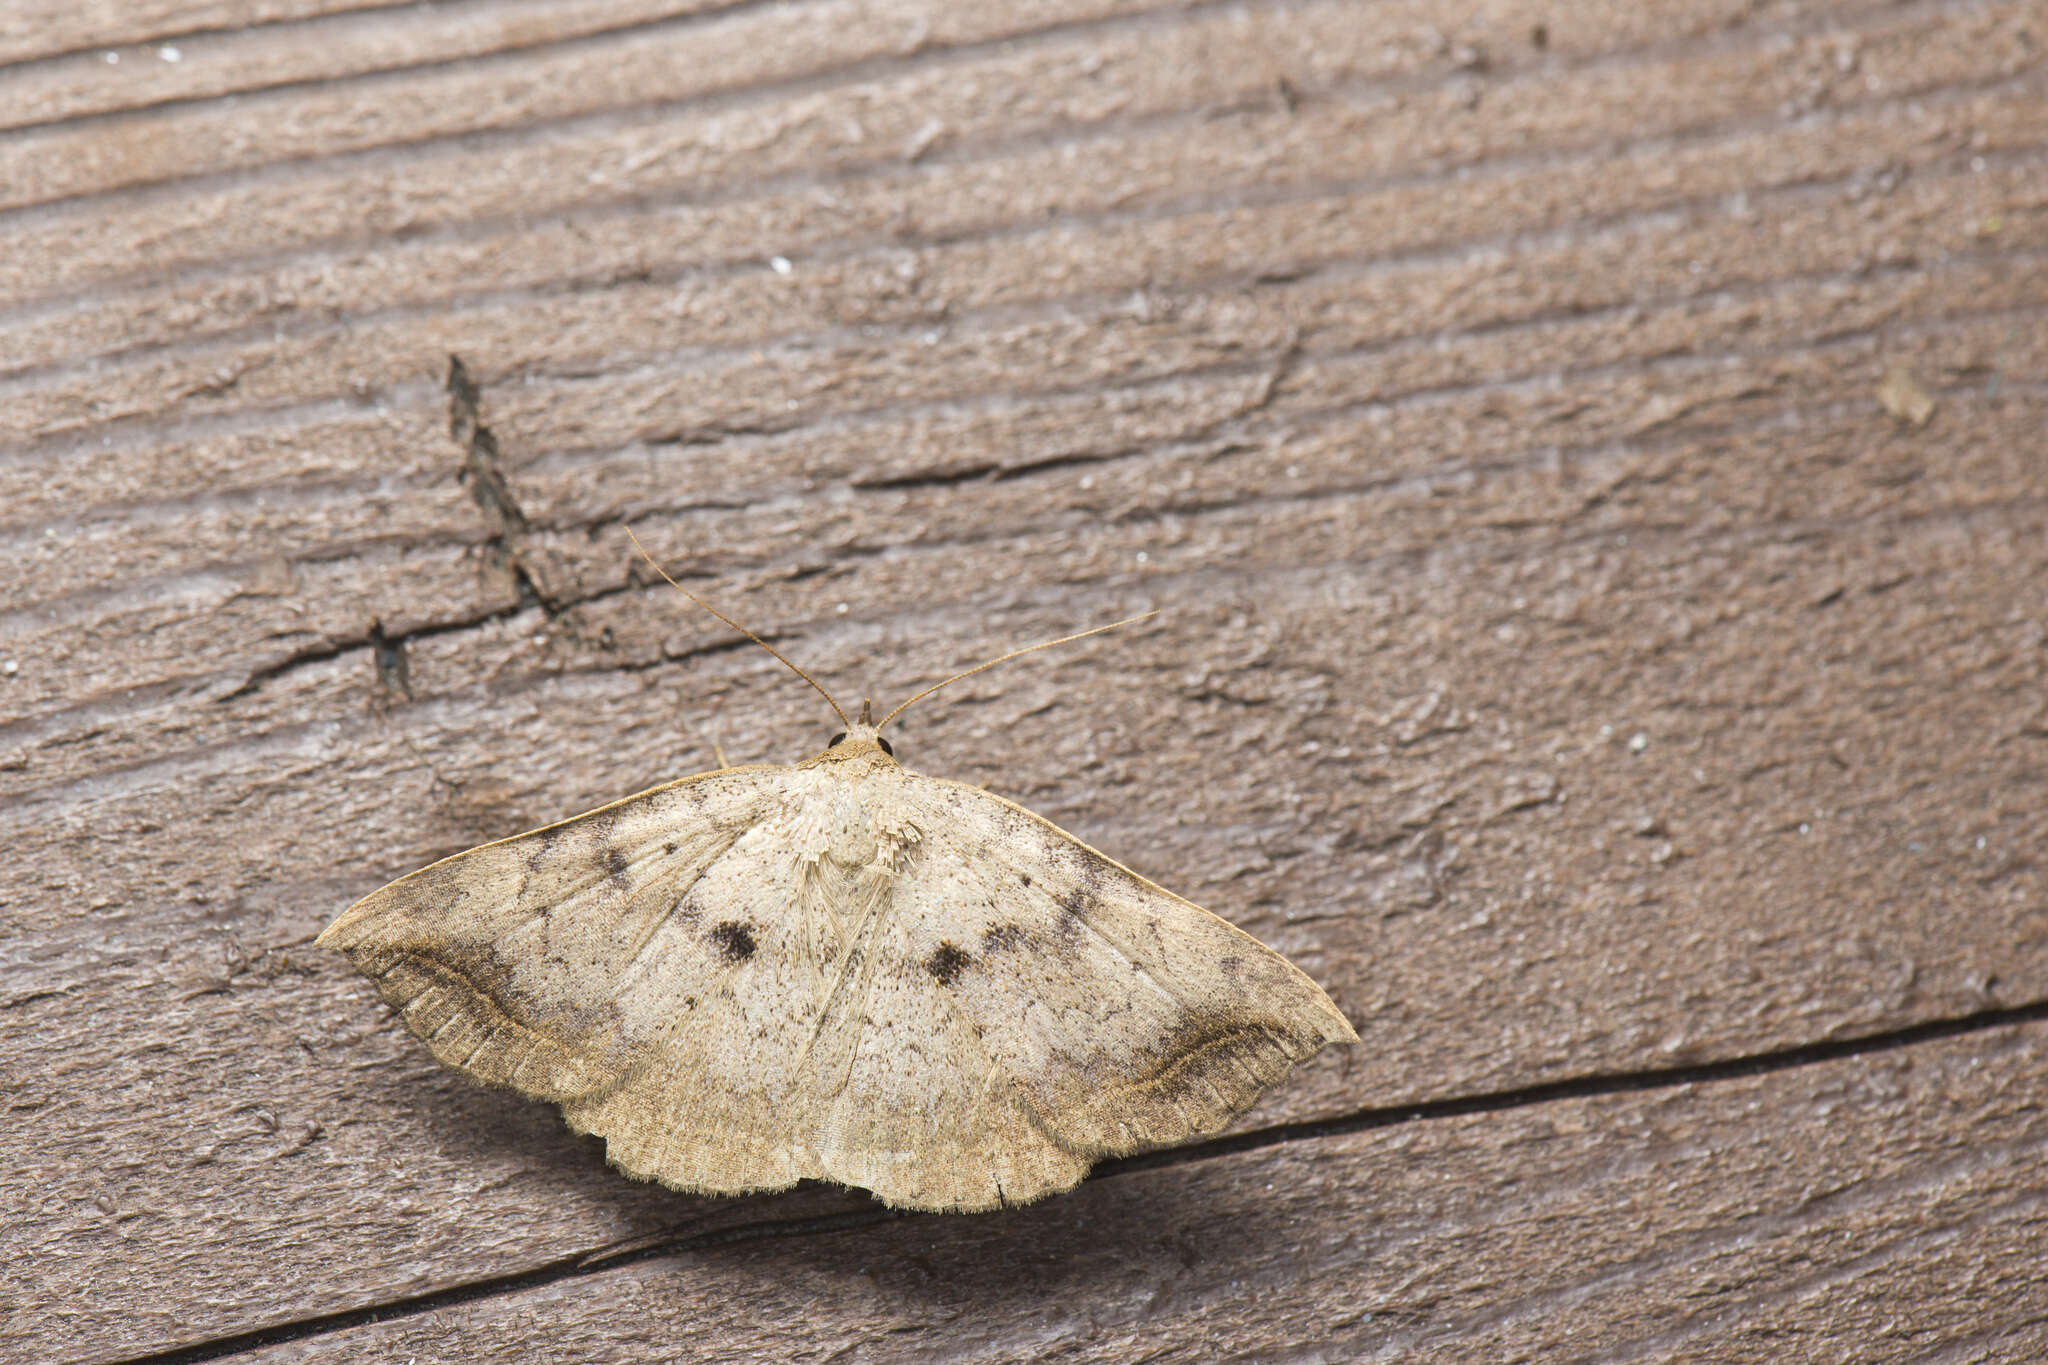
{"x": 1574, "y": 651}
{"x": 1886, "y": 1207}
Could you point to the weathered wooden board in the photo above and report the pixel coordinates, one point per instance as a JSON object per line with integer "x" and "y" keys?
{"x": 1563, "y": 655}
{"x": 1882, "y": 1208}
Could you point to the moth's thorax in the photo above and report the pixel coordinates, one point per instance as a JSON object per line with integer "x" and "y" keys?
{"x": 848, "y": 808}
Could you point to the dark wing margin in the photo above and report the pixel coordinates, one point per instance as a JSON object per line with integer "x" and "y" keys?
{"x": 515, "y": 961}
{"x": 1127, "y": 1017}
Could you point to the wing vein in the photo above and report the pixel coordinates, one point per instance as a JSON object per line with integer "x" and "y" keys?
{"x": 658, "y": 920}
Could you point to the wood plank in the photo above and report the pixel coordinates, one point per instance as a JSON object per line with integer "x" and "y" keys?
{"x": 40, "y": 30}
{"x": 1754, "y": 875}
{"x": 1565, "y": 657}
{"x": 283, "y": 44}
{"x": 1241, "y": 338}
{"x": 945, "y": 111}
{"x": 1879, "y": 1208}
{"x": 741, "y": 49}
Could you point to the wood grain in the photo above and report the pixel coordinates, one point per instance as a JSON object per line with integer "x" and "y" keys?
{"x": 1873, "y": 1209}
{"x": 1564, "y": 656}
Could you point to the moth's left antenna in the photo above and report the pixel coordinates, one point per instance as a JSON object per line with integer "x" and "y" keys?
{"x": 740, "y": 628}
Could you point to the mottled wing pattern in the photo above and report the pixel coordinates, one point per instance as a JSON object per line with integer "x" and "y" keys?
{"x": 723, "y": 1024}
{"x": 715, "y": 977}
{"x": 1124, "y": 1016}
{"x": 565, "y": 960}
{"x": 839, "y": 970}
{"x": 832, "y": 1052}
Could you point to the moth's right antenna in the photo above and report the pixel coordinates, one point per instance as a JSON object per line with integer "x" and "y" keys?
{"x": 740, "y": 628}
{"x": 1003, "y": 659}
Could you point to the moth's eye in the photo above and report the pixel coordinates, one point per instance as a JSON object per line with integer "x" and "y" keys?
{"x": 887, "y": 747}
{"x": 835, "y": 739}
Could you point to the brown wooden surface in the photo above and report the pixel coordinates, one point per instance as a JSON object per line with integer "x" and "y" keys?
{"x": 1563, "y": 654}
{"x": 1694, "y": 1232}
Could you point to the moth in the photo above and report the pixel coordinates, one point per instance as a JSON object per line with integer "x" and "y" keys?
{"x": 839, "y": 970}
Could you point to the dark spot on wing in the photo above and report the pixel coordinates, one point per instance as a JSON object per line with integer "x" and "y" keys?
{"x": 617, "y": 864}
{"x": 735, "y": 940}
{"x": 1229, "y": 965}
{"x": 1002, "y": 937}
{"x": 669, "y": 847}
{"x": 1075, "y": 903}
{"x": 947, "y": 963}
{"x": 1024, "y": 877}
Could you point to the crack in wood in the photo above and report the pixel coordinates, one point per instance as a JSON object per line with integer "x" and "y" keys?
{"x": 1270, "y": 374}
{"x": 1665, "y": 438}
{"x": 491, "y": 490}
{"x": 393, "y": 664}
{"x": 657, "y": 1247}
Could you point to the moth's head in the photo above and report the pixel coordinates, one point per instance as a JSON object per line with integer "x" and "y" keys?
{"x": 861, "y": 739}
